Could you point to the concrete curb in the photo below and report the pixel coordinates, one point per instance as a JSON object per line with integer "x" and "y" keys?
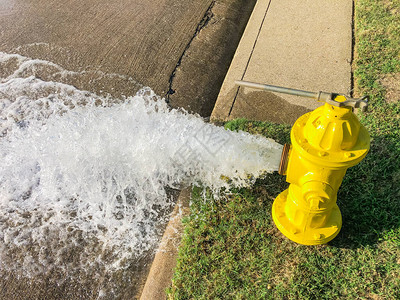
{"x": 247, "y": 44}
{"x": 162, "y": 268}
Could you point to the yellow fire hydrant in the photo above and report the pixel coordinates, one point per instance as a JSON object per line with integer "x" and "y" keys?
{"x": 325, "y": 143}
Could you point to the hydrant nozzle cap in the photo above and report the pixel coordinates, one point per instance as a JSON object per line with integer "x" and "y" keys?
{"x": 284, "y": 159}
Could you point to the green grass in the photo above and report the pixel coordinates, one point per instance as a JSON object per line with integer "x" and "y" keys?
{"x": 231, "y": 248}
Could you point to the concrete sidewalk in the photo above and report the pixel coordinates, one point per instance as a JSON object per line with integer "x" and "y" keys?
{"x": 299, "y": 44}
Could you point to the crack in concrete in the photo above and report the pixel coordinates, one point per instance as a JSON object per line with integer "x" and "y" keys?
{"x": 208, "y": 15}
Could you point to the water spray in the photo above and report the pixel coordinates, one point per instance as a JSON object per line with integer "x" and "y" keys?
{"x": 92, "y": 177}
{"x": 325, "y": 143}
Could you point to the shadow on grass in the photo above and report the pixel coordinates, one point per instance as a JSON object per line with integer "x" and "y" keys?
{"x": 369, "y": 196}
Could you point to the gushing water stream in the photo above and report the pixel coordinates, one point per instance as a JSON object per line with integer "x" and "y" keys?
{"x": 92, "y": 173}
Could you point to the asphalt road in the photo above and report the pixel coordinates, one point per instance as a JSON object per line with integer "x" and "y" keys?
{"x": 180, "y": 48}
{"x": 142, "y": 39}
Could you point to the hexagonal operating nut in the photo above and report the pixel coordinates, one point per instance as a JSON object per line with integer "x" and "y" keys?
{"x": 361, "y": 103}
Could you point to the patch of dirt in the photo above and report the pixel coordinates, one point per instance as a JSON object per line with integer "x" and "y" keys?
{"x": 391, "y": 82}
{"x": 390, "y": 6}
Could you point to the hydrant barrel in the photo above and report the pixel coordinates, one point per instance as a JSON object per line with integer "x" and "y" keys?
{"x": 325, "y": 143}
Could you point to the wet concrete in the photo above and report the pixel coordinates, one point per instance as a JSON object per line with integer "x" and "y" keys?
{"x": 91, "y": 283}
{"x": 115, "y": 47}
{"x": 198, "y": 79}
{"x": 138, "y": 39}
{"x": 262, "y": 105}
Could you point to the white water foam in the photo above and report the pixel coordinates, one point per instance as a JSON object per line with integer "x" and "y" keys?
{"x": 84, "y": 179}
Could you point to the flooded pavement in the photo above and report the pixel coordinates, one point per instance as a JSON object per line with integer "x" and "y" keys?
{"x": 138, "y": 39}
{"x": 110, "y": 49}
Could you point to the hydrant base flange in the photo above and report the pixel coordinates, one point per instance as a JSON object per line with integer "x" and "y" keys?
{"x": 307, "y": 235}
